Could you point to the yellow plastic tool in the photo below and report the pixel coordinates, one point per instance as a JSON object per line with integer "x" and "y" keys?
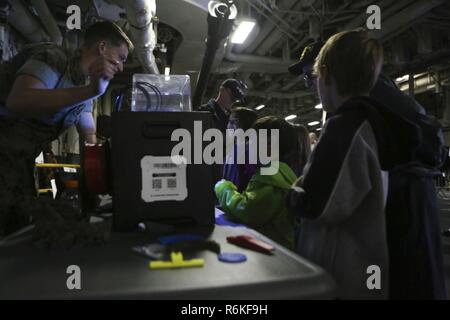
{"x": 57, "y": 165}
{"x": 177, "y": 262}
{"x": 44, "y": 191}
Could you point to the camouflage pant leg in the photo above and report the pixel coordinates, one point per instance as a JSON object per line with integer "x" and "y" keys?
{"x": 19, "y": 146}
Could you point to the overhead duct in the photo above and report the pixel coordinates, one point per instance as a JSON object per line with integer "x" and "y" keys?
{"x": 220, "y": 22}
{"x": 24, "y": 22}
{"x": 141, "y": 15}
{"x": 47, "y": 20}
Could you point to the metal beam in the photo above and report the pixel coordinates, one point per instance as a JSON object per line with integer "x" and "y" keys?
{"x": 405, "y": 17}
{"x": 269, "y": 26}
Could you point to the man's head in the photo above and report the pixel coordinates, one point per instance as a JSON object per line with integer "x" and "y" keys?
{"x": 348, "y": 65}
{"x": 107, "y": 39}
{"x": 236, "y": 89}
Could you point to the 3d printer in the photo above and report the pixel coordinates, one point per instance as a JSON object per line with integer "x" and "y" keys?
{"x": 146, "y": 182}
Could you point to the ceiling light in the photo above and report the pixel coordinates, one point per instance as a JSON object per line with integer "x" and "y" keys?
{"x": 314, "y": 123}
{"x": 404, "y": 78}
{"x": 291, "y": 117}
{"x": 318, "y": 107}
{"x": 260, "y": 107}
{"x": 242, "y": 31}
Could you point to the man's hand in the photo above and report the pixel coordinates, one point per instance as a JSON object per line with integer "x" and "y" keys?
{"x": 101, "y": 72}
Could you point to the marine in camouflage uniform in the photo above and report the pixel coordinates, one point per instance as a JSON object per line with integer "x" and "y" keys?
{"x": 22, "y": 140}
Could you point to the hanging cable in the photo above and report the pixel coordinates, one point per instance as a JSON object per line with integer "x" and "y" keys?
{"x": 143, "y": 87}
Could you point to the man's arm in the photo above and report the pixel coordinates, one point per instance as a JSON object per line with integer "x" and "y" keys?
{"x": 86, "y": 127}
{"x": 30, "y": 97}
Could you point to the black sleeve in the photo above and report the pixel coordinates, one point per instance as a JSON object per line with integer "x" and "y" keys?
{"x": 326, "y": 163}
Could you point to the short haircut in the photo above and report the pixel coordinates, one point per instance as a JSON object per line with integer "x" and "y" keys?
{"x": 287, "y": 132}
{"x": 246, "y": 117}
{"x": 106, "y": 31}
{"x": 352, "y": 59}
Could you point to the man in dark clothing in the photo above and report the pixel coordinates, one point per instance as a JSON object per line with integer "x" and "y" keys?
{"x": 412, "y": 216}
{"x": 230, "y": 92}
{"x": 52, "y": 91}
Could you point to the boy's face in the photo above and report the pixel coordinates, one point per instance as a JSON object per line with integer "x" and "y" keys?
{"x": 325, "y": 93}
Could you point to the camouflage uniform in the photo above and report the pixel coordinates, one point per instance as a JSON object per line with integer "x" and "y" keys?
{"x": 22, "y": 140}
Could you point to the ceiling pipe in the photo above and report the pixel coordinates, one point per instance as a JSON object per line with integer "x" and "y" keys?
{"x": 141, "y": 15}
{"x": 233, "y": 67}
{"x": 220, "y": 19}
{"x": 252, "y": 59}
{"x": 280, "y": 95}
{"x": 48, "y": 21}
{"x": 24, "y": 22}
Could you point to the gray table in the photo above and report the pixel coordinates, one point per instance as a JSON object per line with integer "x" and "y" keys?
{"x": 113, "y": 271}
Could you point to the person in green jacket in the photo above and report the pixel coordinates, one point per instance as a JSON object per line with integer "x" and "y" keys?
{"x": 261, "y": 205}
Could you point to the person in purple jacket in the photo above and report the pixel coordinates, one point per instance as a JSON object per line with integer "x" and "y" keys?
{"x": 239, "y": 174}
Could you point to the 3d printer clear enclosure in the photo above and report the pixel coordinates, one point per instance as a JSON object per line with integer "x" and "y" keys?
{"x": 161, "y": 93}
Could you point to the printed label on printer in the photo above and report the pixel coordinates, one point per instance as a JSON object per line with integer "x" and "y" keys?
{"x": 164, "y": 178}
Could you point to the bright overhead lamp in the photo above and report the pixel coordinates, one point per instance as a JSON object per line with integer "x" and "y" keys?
{"x": 319, "y": 107}
{"x": 260, "y": 107}
{"x": 291, "y": 117}
{"x": 319, "y": 129}
{"x": 404, "y": 78}
{"x": 314, "y": 123}
{"x": 242, "y": 31}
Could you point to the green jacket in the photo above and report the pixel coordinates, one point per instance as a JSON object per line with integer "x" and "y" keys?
{"x": 261, "y": 205}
